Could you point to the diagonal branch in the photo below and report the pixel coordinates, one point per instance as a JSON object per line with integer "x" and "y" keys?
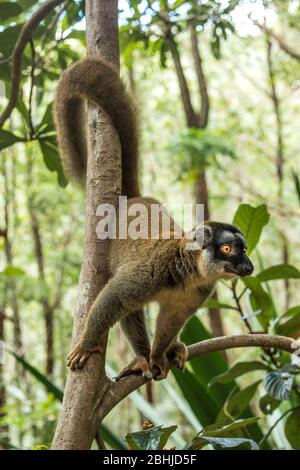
{"x": 117, "y": 391}
{"x": 21, "y": 43}
{"x": 279, "y": 39}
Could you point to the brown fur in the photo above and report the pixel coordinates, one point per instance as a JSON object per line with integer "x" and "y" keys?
{"x": 94, "y": 80}
{"x": 160, "y": 270}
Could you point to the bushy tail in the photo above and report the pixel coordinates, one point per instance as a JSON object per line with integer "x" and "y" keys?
{"x": 96, "y": 81}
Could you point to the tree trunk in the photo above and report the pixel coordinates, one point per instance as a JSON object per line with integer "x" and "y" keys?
{"x": 77, "y": 425}
{"x": 48, "y": 310}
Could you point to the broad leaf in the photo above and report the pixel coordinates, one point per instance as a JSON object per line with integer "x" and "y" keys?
{"x": 52, "y": 159}
{"x": 218, "y": 431}
{"x": 7, "y": 139}
{"x": 289, "y": 323}
{"x": 238, "y": 369}
{"x": 238, "y": 402}
{"x": 251, "y": 221}
{"x": 297, "y": 184}
{"x": 292, "y": 429}
{"x": 154, "y": 438}
{"x": 9, "y": 10}
{"x": 280, "y": 271}
{"x": 212, "y": 303}
{"x": 260, "y": 300}
{"x": 279, "y": 384}
{"x": 268, "y": 404}
{"x": 226, "y": 443}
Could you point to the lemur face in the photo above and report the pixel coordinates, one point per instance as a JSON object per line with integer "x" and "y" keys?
{"x": 224, "y": 251}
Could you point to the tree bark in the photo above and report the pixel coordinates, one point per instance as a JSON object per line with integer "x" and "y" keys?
{"x": 77, "y": 425}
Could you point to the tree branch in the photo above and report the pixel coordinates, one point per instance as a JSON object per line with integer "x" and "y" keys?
{"x": 192, "y": 118}
{"x": 23, "y": 39}
{"x": 117, "y": 391}
{"x": 279, "y": 39}
{"x": 204, "y": 109}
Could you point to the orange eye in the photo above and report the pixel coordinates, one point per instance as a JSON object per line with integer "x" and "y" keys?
{"x": 226, "y": 249}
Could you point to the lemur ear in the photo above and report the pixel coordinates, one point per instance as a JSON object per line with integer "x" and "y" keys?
{"x": 200, "y": 237}
{"x": 207, "y": 236}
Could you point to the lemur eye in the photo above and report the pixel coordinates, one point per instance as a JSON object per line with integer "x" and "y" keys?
{"x": 226, "y": 249}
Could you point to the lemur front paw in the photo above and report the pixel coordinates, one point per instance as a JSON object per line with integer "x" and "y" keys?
{"x": 159, "y": 367}
{"x": 177, "y": 355}
{"x": 79, "y": 355}
{"x": 138, "y": 366}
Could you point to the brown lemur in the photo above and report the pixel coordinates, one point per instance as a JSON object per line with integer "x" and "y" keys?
{"x": 141, "y": 270}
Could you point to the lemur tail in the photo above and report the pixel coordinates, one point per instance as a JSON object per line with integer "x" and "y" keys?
{"x": 96, "y": 81}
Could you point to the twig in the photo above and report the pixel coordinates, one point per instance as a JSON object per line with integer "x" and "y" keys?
{"x": 263, "y": 440}
{"x": 23, "y": 39}
{"x": 281, "y": 42}
{"x": 31, "y": 127}
{"x": 239, "y": 307}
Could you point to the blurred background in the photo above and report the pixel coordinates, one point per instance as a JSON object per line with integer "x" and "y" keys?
{"x": 217, "y": 88}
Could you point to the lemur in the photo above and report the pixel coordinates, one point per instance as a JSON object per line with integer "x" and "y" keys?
{"x": 141, "y": 271}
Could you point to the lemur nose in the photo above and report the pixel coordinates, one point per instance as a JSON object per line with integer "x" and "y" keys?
{"x": 249, "y": 269}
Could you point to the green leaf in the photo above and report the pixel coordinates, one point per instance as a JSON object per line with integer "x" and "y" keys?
{"x": 7, "y": 139}
{"x": 261, "y": 301}
{"x": 292, "y": 427}
{"x": 290, "y": 327}
{"x": 9, "y": 10}
{"x": 204, "y": 404}
{"x": 297, "y": 184}
{"x": 212, "y": 303}
{"x": 154, "y": 438}
{"x": 8, "y": 39}
{"x": 52, "y": 159}
{"x": 13, "y": 271}
{"x": 268, "y": 404}
{"x": 226, "y": 443}
{"x": 220, "y": 430}
{"x": 238, "y": 369}
{"x": 280, "y": 271}
{"x": 251, "y": 221}
{"x": 238, "y": 402}
{"x": 279, "y": 384}
{"x": 46, "y": 125}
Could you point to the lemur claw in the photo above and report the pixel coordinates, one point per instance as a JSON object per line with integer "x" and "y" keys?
{"x": 138, "y": 366}
{"x": 177, "y": 355}
{"x": 79, "y": 355}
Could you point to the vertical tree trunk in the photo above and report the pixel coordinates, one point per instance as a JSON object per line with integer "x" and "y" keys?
{"x": 78, "y": 421}
{"x": 48, "y": 310}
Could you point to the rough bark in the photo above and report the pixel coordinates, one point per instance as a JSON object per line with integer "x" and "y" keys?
{"x": 84, "y": 389}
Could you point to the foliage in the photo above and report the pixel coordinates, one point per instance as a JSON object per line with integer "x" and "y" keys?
{"x": 198, "y": 148}
{"x": 210, "y": 398}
